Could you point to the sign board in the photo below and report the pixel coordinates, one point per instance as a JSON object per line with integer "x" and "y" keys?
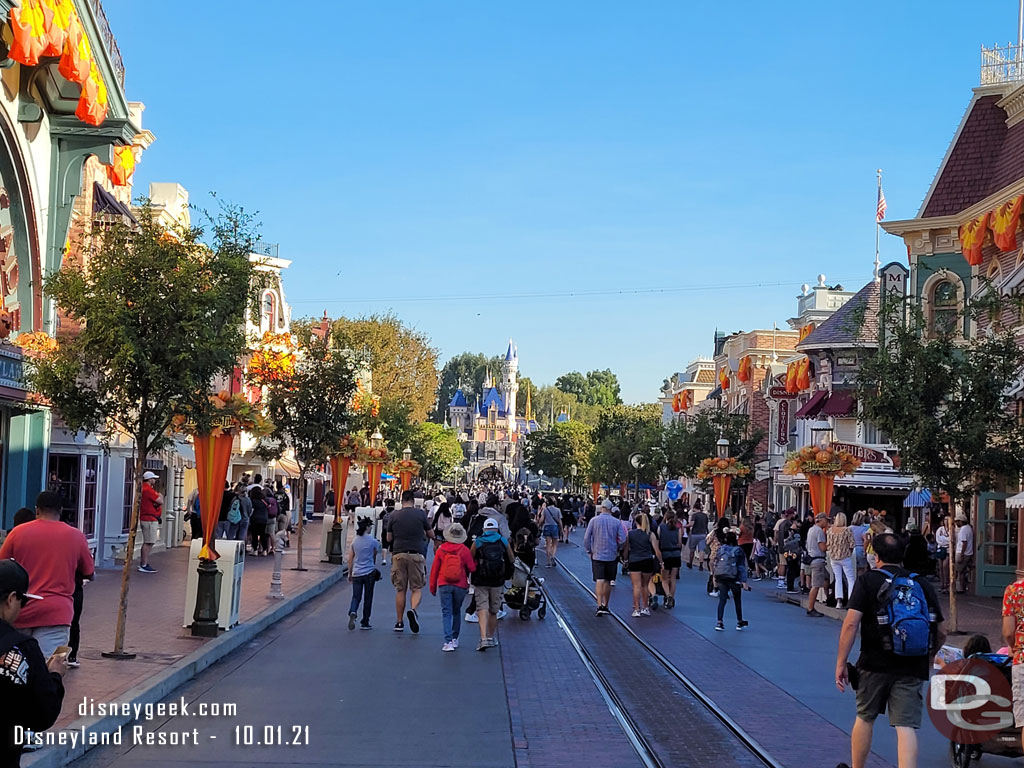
{"x": 782, "y": 433}
{"x": 862, "y": 452}
{"x": 760, "y": 475}
{"x": 894, "y": 277}
{"x": 780, "y": 393}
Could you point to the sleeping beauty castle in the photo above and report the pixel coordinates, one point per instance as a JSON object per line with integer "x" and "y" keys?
{"x": 489, "y": 429}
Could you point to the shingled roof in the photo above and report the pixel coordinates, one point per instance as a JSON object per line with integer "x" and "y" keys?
{"x": 985, "y": 157}
{"x": 855, "y": 324}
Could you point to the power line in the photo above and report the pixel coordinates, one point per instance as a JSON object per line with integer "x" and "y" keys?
{"x": 564, "y": 294}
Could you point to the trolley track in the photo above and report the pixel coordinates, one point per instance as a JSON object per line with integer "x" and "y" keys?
{"x": 666, "y": 717}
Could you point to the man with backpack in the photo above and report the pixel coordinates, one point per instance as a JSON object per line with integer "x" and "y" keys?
{"x": 494, "y": 559}
{"x": 900, "y": 623}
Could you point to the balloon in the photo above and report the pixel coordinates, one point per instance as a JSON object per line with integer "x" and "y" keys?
{"x": 674, "y": 489}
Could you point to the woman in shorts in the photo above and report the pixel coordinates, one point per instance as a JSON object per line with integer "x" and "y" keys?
{"x": 549, "y": 519}
{"x": 643, "y": 556}
{"x": 670, "y": 541}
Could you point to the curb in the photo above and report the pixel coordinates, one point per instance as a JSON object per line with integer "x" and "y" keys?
{"x": 798, "y": 600}
{"x": 176, "y": 675}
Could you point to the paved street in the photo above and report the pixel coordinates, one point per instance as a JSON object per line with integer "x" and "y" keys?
{"x": 380, "y": 698}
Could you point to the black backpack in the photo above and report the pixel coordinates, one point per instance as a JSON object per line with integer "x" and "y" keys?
{"x": 490, "y": 564}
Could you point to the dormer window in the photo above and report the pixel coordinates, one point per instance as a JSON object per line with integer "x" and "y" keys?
{"x": 267, "y": 318}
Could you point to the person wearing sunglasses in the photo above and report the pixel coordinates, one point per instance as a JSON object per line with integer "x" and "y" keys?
{"x": 31, "y": 688}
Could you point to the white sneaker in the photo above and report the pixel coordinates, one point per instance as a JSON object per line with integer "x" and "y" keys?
{"x": 636, "y": 614}
{"x": 713, "y": 594}
{"x": 447, "y": 647}
{"x": 645, "y": 611}
{"x": 501, "y": 614}
{"x": 455, "y": 642}
{"x": 471, "y": 618}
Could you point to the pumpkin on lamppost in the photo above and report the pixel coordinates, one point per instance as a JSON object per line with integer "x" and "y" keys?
{"x": 341, "y": 462}
{"x": 406, "y": 468}
{"x": 374, "y": 456}
{"x": 821, "y": 465}
{"x": 721, "y": 471}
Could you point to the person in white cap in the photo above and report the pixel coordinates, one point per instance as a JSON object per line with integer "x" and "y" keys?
{"x": 150, "y": 510}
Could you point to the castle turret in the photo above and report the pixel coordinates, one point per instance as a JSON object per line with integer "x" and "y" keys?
{"x": 510, "y": 379}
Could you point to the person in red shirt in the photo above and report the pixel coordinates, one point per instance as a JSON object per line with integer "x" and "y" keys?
{"x": 450, "y": 575}
{"x": 149, "y": 520}
{"x": 52, "y": 553}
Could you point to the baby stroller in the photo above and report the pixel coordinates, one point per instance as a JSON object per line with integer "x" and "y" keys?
{"x": 1006, "y": 743}
{"x": 525, "y": 595}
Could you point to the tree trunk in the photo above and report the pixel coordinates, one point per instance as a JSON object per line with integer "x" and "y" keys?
{"x": 129, "y": 555}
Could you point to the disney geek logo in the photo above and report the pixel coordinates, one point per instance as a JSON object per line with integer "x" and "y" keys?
{"x": 970, "y": 701}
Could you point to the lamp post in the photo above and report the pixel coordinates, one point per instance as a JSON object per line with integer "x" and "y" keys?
{"x": 635, "y": 461}
{"x": 407, "y": 453}
{"x": 721, "y": 483}
{"x": 722, "y": 448}
{"x": 572, "y": 471}
{"x": 540, "y": 481}
{"x": 374, "y": 468}
{"x": 821, "y": 432}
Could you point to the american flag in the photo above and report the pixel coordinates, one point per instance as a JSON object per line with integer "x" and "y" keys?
{"x": 880, "y": 211}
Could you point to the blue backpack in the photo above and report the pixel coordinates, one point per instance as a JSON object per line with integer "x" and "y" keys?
{"x": 904, "y": 619}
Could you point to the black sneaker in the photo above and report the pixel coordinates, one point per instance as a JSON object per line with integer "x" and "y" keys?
{"x": 719, "y": 627}
{"x": 414, "y": 621}
{"x": 365, "y": 625}
{"x": 351, "y": 621}
{"x": 399, "y": 626}
{"x": 741, "y": 624}
{"x": 814, "y": 614}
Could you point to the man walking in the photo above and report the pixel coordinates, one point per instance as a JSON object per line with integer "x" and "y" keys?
{"x": 816, "y": 547}
{"x": 964, "y": 562}
{"x": 885, "y": 679}
{"x": 31, "y": 691}
{"x": 781, "y": 533}
{"x": 601, "y": 541}
{"x": 493, "y": 557}
{"x": 150, "y": 509}
{"x": 698, "y": 534}
{"x": 408, "y": 531}
{"x": 52, "y": 553}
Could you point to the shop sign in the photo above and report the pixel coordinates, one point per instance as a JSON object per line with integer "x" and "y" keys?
{"x": 782, "y": 435}
{"x": 11, "y": 369}
{"x": 862, "y": 452}
{"x": 780, "y": 393}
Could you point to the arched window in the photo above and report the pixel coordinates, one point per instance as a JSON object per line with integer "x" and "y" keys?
{"x": 945, "y": 306}
{"x": 267, "y": 318}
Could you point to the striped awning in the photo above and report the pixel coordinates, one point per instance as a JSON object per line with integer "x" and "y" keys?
{"x": 918, "y": 498}
{"x": 813, "y": 407}
{"x": 288, "y": 466}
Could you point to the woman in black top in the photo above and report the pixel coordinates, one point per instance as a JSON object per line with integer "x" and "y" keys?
{"x": 644, "y": 557}
{"x": 258, "y": 522}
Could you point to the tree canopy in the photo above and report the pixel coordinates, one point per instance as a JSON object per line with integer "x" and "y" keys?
{"x": 687, "y": 443}
{"x": 595, "y": 388}
{"x": 621, "y": 431}
{"x": 556, "y": 449}
{"x": 437, "y": 449}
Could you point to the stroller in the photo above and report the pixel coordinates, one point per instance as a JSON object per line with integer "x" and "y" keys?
{"x": 1006, "y": 743}
{"x": 525, "y": 595}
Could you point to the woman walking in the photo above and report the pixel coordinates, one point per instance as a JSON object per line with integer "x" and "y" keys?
{"x": 258, "y": 522}
{"x": 839, "y": 543}
{"x": 449, "y": 576}
{"x": 746, "y": 538}
{"x": 643, "y": 556}
{"x": 715, "y": 539}
{"x": 859, "y": 528}
{"x": 442, "y": 519}
{"x": 549, "y": 518}
{"x": 362, "y": 573}
{"x": 670, "y": 541}
{"x": 730, "y": 571}
{"x": 941, "y": 554}
{"x": 525, "y": 534}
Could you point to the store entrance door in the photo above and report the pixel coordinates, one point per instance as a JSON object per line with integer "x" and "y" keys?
{"x": 997, "y": 540}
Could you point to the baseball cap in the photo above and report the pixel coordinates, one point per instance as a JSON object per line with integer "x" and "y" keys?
{"x": 607, "y": 504}
{"x": 490, "y": 524}
{"x": 14, "y": 578}
{"x": 148, "y": 476}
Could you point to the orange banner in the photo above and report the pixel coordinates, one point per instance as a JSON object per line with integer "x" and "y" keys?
{"x": 595, "y": 489}
{"x": 120, "y": 173}
{"x": 406, "y": 477}
{"x": 805, "y": 331}
{"x": 723, "y": 378}
{"x": 213, "y": 455}
{"x": 721, "y": 484}
{"x": 340, "y": 466}
{"x": 745, "y": 369}
{"x": 821, "y": 487}
{"x": 972, "y": 239}
{"x": 803, "y": 375}
{"x": 792, "y": 372}
{"x": 1004, "y": 224}
{"x": 373, "y": 470}
{"x": 28, "y": 23}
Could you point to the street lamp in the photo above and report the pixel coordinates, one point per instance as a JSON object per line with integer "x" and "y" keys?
{"x": 407, "y": 453}
{"x": 572, "y": 471}
{"x": 722, "y": 448}
{"x": 540, "y": 480}
{"x": 635, "y": 461}
{"x": 821, "y": 432}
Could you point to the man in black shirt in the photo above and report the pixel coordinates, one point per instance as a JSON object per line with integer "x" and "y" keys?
{"x": 886, "y": 680}
{"x": 31, "y": 691}
{"x": 408, "y": 530}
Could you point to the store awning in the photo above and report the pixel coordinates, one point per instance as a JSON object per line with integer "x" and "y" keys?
{"x": 288, "y": 466}
{"x": 715, "y": 393}
{"x": 840, "y": 404}
{"x": 1015, "y": 502}
{"x": 879, "y": 480}
{"x": 813, "y": 406}
{"x": 918, "y": 498}
{"x": 104, "y": 202}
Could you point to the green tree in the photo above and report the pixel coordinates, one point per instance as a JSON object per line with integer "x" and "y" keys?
{"x": 401, "y": 359}
{"x": 688, "y": 442}
{"x": 550, "y": 401}
{"x": 310, "y": 409}
{"x": 621, "y": 431}
{"x": 526, "y": 385}
{"x": 944, "y": 401}
{"x": 158, "y": 319}
{"x": 466, "y": 370}
{"x": 573, "y": 383}
{"x": 437, "y": 449}
{"x": 558, "y": 448}
{"x": 599, "y": 388}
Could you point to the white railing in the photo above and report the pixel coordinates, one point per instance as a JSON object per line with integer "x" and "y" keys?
{"x": 1002, "y": 64}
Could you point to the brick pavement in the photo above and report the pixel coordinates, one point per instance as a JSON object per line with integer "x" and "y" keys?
{"x": 156, "y": 604}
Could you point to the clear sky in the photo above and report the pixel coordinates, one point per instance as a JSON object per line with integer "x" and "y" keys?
{"x": 473, "y": 165}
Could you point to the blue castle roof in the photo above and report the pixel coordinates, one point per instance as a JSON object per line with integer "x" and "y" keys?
{"x": 459, "y": 401}
{"x": 492, "y": 396}
{"x": 510, "y": 355}
{"x": 562, "y": 417}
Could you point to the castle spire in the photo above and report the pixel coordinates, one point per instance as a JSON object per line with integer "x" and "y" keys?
{"x": 529, "y": 407}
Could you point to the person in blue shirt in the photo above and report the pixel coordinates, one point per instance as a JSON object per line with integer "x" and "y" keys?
{"x": 730, "y": 572}
{"x": 362, "y": 572}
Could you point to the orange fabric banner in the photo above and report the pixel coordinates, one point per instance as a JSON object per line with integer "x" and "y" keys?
{"x": 28, "y": 23}
{"x": 803, "y": 375}
{"x": 340, "y": 466}
{"x": 821, "y": 487}
{"x": 57, "y": 15}
{"x": 120, "y": 173}
{"x": 972, "y": 239}
{"x": 373, "y": 470}
{"x": 76, "y": 58}
{"x": 595, "y": 489}
{"x": 1004, "y": 224}
{"x": 721, "y": 484}
{"x": 792, "y": 370}
{"x": 92, "y": 104}
{"x": 805, "y": 331}
{"x": 213, "y": 455}
{"x": 745, "y": 369}
{"x": 406, "y": 477}
{"x": 723, "y": 378}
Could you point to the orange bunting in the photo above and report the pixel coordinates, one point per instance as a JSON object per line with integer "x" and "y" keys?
{"x": 120, "y": 173}
{"x": 675, "y": 402}
{"x": 805, "y": 331}
{"x": 803, "y": 375}
{"x": 92, "y": 104}
{"x": 972, "y": 238}
{"x": 685, "y": 399}
{"x": 76, "y": 58}
{"x": 28, "y": 22}
{"x": 723, "y": 378}
{"x": 792, "y": 370}
{"x": 1004, "y": 224}
{"x": 57, "y": 17}
{"x": 745, "y": 369}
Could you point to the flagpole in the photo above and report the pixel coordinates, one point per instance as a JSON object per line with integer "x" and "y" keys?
{"x": 878, "y": 263}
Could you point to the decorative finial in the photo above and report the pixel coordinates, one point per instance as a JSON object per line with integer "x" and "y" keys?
{"x": 821, "y": 280}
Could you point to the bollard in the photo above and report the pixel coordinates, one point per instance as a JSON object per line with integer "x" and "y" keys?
{"x": 275, "y": 592}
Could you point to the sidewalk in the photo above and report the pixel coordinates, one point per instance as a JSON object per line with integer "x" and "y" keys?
{"x": 156, "y": 605}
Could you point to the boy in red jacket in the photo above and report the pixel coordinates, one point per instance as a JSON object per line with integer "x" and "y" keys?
{"x": 450, "y": 574}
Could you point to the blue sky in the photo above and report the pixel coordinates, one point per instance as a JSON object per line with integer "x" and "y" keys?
{"x": 471, "y": 165}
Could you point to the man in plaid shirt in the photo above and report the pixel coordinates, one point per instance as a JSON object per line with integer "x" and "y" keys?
{"x": 602, "y": 540}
